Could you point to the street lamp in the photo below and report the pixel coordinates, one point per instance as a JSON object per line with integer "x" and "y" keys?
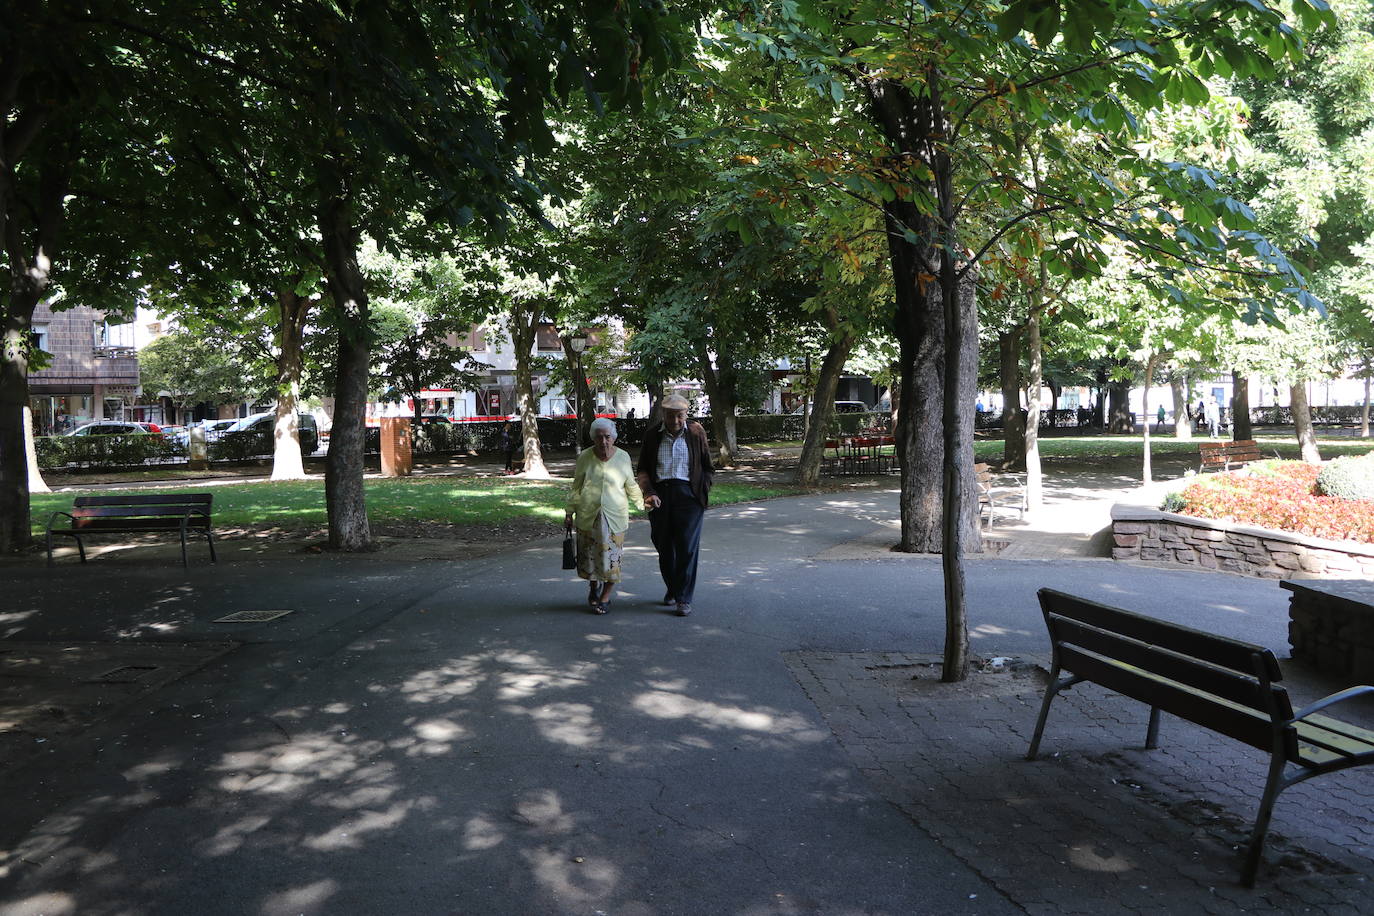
{"x": 578, "y": 342}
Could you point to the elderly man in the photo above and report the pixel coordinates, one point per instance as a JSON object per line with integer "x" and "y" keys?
{"x": 674, "y": 474}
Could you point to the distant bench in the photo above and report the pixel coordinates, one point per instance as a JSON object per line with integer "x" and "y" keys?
{"x": 1224, "y": 685}
{"x": 1223, "y": 455}
{"x": 135, "y": 514}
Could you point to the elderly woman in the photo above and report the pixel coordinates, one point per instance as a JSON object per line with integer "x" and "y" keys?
{"x": 603, "y": 488}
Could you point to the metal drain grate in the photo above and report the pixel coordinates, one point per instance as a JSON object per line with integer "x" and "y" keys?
{"x": 251, "y": 616}
{"x": 126, "y": 674}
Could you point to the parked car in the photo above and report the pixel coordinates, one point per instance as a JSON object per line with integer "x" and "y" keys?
{"x": 116, "y": 428}
{"x": 251, "y": 436}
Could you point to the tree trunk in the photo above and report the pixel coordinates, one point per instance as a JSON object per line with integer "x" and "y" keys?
{"x": 1240, "y": 407}
{"x": 582, "y": 393}
{"x": 1146, "y": 473}
{"x": 1364, "y": 411}
{"x": 36, "y": 484}
{"x": 524, "y": 325}
{"x": 344, "y": 495}
{"x": 30, "y": 274}
{"x": 720, "y": 388}
{"x": 287, "y": 463}
{"x": 813, "y": 445}
{"x": 1013, "y": 420}
{"x": 1100, "y": 408}
{"x": 1119, "y": 405}
{"x": 1035, "y": 496}
{"x": 1302, "y": 422}
{"x": 1183, "y": 429}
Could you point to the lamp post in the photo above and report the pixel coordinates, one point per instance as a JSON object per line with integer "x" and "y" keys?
{"x": 578, "y": 342}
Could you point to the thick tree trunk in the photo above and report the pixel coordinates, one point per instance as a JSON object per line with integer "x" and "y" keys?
{"x": 1183, "y": 429}
{"x": 919, "y": 436}
{"x": 344, "y": 495}
{"x": 287, "y": 463}
{"x": 1100, "y": 408}
{"x": 720, "y": 388}
{"x": 1302, "y": 422}
{"x": 1119, "y": 405}
{"x": 1034, "y": 482}
{"x": 524, "y": 323}
{"x": 15, "y": 531}
{"x": 1240, "y": 407}
{"x": 813, "y": 445}
{"x": 30, "y": 274}
{"x": 1013, "y": 420}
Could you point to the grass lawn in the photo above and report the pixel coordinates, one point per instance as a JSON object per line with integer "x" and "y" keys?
{"x": 298, "y": 505}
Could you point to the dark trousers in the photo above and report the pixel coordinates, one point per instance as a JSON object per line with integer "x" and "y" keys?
{"x": 676, "y": 530}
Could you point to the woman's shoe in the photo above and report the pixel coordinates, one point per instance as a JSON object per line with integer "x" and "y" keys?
{"x": 594, "y": 593}
{"x": 600, "y": 607}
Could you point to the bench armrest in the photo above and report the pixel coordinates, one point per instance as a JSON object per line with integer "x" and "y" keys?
{"x": 1347, "y": 694}
{"x": 52, "y": 518}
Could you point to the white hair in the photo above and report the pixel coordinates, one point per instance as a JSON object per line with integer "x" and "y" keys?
{"x": 603, "y": 423}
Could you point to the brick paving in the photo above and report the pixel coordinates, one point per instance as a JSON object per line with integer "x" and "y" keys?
{"x": 1097, "y": 824}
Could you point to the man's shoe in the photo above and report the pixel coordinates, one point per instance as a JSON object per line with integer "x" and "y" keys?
{"x": 668, "y": 599}
{"x": 684, "y": 609}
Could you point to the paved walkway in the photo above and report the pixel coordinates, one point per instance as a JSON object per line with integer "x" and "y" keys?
{"x": 424, "y": 736}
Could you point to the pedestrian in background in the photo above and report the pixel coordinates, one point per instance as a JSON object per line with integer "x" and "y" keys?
{"x": 675, "y": 475}
{"x": 599, "y": 504}
{"x": 510, "y": 438}
{"x": 1159, "y": 424}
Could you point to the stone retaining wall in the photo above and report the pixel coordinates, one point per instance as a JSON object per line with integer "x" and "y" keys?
{"x": 1153, "y": 536}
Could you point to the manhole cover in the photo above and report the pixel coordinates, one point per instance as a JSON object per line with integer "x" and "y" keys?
{"x": 251, "y": 616}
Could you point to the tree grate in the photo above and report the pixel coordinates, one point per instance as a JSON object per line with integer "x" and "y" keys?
{"x": 251, "y": 616}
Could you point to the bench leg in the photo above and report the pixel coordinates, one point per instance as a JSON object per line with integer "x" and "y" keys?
{"x": 80, "y": 548}
{"x": 210, "y": 539}
{"x": 1272, "y": 788}
{"x": 1152, "y": 733}
{"x": 49, "y": 539}
{"x": 1054, "y": 687}
{"x": 184, "y": 563}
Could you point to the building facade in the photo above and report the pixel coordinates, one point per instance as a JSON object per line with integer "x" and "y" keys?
{"x": 93, "y": 374}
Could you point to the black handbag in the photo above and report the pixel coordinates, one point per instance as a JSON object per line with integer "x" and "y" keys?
{"x": 569, "y": 552}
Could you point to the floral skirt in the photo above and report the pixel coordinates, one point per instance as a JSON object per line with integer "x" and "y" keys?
{"x": 599, "y": 551}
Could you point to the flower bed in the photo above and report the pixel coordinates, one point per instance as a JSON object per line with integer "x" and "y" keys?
{"x": 1279, "y": 495}
{"x": 1266, "y": 522}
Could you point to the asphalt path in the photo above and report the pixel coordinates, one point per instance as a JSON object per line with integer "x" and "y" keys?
{"x": 433, "y": 737}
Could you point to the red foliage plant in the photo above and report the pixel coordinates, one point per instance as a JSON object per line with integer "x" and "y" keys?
{"x": 1281, "y": 496}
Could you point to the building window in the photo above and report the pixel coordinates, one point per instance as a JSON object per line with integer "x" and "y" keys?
{"x": 546, "y": 338}
{"x": 40, "y": 337}
{"x": 476, "y": 341}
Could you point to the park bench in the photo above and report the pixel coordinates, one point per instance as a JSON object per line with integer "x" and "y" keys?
{"x": 992, "y": 496}
{"x": 1225, "y": 455}
{"x": 134, "y": 514}
{"x": 1221, "y": 684}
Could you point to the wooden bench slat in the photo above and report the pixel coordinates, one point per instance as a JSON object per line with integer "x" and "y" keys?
{"x": 133, "y": 511}
{"x": 202, "y": 500}
{"x": 1218, "y": 650}
{"x": 1331, "y": 741}
{"x": 1228, "y": 683}
{"x": 1238, "y": 722}
{"x": 1345, "y": 729}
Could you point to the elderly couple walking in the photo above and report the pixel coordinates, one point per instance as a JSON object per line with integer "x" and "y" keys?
{"x": 672, "y": 480}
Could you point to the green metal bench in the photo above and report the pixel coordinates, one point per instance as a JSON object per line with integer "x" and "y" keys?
{"x": 185, "y": 513}
{"x": 1221, "y": 684}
